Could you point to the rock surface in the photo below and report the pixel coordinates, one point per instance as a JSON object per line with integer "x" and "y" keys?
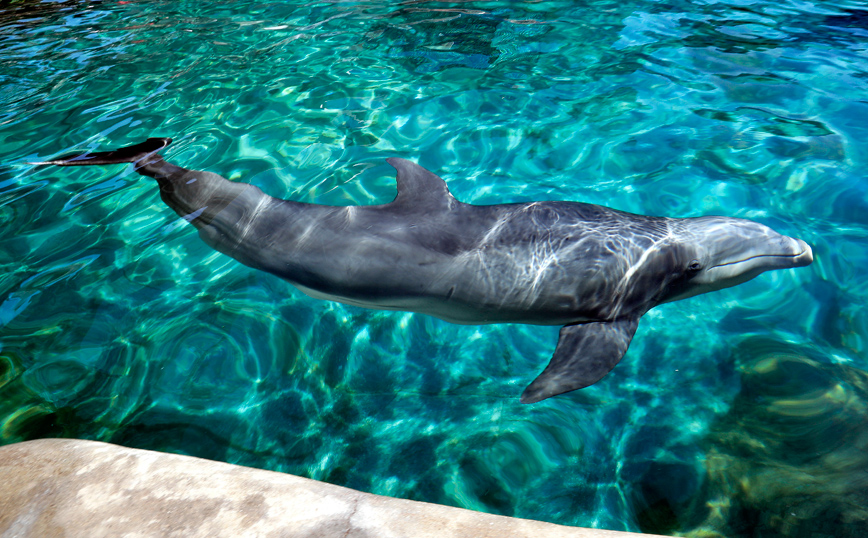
{"x": 71, "y": 488}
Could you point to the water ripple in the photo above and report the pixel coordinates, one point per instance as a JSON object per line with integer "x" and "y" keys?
{"x": 118, "y": 324}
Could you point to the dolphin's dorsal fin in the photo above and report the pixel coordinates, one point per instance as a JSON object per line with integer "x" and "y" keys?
{"x": 419, "y": 187}
{"x": 586, "y": 352}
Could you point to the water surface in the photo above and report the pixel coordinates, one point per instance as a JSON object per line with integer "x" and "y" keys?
{"x": 739, "y": 413}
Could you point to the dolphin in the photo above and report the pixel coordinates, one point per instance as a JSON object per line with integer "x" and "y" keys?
{"x": 591, "y": 269}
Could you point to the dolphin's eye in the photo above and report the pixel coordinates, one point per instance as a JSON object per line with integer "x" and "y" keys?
{"x": 694, "y": 266}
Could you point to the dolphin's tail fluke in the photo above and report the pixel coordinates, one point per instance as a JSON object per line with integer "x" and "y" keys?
{"x": 203, "y": 198}
{"x": 129, "y": 154}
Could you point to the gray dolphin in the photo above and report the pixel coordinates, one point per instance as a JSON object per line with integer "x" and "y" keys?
{"x": 592, "y": 269}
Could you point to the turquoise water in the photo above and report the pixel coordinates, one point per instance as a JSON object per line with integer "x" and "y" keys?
{"x": 738, "y": 413}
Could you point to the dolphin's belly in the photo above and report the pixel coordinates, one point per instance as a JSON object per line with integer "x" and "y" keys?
{"x": 453, "y": 310}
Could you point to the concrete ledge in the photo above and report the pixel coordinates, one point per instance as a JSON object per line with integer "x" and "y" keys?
{"x": 70, "y": 488}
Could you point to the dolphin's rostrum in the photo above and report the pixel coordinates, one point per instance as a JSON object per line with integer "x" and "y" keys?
{"x": 592, "y": 269}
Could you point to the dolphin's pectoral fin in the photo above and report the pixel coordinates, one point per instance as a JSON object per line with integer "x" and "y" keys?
{"x": 417, "y": 186}
{"x": 586, "y": 352}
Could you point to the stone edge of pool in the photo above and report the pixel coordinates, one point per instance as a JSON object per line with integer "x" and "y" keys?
{"x": 72, "y": 488}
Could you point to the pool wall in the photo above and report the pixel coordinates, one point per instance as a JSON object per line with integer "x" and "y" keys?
{"x": 71, "y": 488}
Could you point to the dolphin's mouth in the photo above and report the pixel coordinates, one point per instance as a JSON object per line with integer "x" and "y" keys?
{"x": 800, "y": 259}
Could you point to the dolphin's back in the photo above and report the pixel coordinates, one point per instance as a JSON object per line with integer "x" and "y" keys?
{"x": 546, "y": 263}
{"x": 542, "y": 262}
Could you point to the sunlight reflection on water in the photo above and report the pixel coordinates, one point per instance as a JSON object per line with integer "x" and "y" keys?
{"x": 118, "y": 324}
